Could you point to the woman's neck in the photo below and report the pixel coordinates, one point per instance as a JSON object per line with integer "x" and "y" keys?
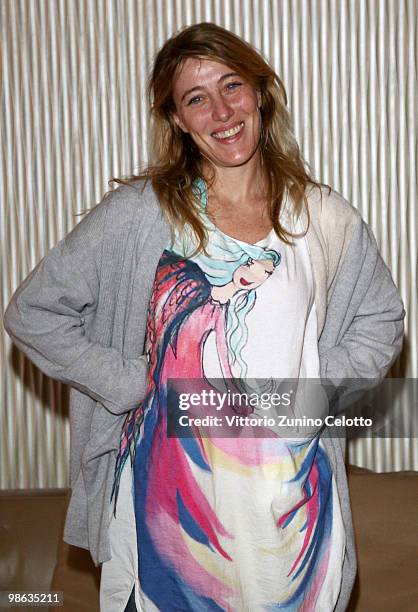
{"x": 233, "y": 187}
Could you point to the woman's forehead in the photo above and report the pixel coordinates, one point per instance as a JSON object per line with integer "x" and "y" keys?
{"x": 200, "y": 71}
{"x": 198, "y": 64}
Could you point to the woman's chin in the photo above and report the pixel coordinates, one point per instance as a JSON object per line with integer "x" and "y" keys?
{"x": 232, "y": 161}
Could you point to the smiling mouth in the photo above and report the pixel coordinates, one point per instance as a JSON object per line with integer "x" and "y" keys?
{"x": 244, "y": 282}
{"x": 228, "y": 133}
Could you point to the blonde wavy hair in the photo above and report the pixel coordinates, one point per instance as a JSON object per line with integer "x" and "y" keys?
{"x": 176, "y": 160}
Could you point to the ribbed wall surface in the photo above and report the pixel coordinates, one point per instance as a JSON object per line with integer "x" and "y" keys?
{"x": 73, "y": 115}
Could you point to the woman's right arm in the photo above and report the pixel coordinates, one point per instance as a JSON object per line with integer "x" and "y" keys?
{"x": 46, "y": 320}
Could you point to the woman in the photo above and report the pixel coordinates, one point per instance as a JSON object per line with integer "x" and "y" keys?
{"x": 222, "y": 524}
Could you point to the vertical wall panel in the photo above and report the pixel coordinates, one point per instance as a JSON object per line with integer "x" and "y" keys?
{"x": 74, "y": 115}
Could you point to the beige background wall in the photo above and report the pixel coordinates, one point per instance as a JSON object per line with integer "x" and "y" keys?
{"x": 73, "y": 115}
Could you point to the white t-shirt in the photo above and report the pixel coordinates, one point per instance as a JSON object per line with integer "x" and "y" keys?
{"x": 273, "y": 503}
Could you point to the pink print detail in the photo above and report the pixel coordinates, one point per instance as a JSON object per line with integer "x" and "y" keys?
{"x": 174, "y": 550}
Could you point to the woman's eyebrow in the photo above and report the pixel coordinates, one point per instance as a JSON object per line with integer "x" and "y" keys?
{"x": 226, "y": 76}
{"x": 189, "y": 91}
{"x": 196, "y": 87}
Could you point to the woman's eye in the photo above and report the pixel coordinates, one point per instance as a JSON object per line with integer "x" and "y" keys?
{"x": 194, "y": 100}
{"x": 233, "y": 85}
{"x": 249, "y": 261}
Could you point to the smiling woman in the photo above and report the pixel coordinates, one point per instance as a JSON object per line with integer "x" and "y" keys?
{"x": 222, "y": 264}
{"x": 218, "y": 106}
{"x": 221, "y": 114}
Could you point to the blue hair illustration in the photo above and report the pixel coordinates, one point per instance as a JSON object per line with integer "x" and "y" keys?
{"x": 225, "y": 256}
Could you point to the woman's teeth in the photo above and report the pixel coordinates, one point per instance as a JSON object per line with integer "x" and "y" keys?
{"x": 229, "y": 133}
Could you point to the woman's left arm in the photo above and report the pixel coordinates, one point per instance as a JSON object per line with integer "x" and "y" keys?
{"x": 363, "y": 331}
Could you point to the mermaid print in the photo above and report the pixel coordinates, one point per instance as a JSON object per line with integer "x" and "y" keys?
{"x": 222, "y": 524}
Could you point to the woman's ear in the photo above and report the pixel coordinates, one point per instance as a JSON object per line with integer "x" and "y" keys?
{"x": 178, "y": 122}
{"x": 259, "y": 98}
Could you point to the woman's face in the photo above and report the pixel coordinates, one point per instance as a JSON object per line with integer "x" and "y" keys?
{"x": 219, "y": 110}
{"x": 253, "y": 274}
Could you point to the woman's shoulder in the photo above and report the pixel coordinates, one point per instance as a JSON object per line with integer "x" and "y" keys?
{"x": 331, "y": 226}
{"x": 133, "y": 202}
{"x": 331, "y": 216}
{"x": 330, "y": 206}
{"x": 132, "y": 197}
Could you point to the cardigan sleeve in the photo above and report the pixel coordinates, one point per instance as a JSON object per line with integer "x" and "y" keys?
{"x": 47, "y": 316}
{"x": 364, "y": 328}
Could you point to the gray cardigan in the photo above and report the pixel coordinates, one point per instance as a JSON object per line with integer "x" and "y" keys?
{"x": 80, "y": 316}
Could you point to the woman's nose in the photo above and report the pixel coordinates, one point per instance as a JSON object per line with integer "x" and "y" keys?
{"x": 220, "y": 110}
